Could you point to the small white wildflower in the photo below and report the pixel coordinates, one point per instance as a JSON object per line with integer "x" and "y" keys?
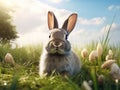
{"x": 101, "y": 78}
{"x": 93, "y": 55}
{"x": 99, "y": 49}
{"x": 115, "y": 71}
{"x": 114, "y": 68}
{"x": 108, "y": 57}
{"x": 107, "y": 64}
{"x": 4, "y": 83}
{"x": 86, "y": 86}
{"x": 9, "y": 59}
{"x": 90, "y": 82}
{"x": 110, "y": 52}
{"x": 116, "y": 81}
{"x": 84, "y": 53}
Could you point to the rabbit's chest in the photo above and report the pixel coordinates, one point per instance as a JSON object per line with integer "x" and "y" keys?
{"x": 58, "y": 64}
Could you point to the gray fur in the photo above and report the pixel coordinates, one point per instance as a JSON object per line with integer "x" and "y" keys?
{"x": 57, "y": 55}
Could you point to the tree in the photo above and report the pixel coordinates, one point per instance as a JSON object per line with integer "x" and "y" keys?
{"x": 7, "y": 29}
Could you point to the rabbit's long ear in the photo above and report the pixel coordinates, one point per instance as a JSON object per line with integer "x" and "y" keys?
{"x": 52, "y": 21}
{"x": 69, "y": 24}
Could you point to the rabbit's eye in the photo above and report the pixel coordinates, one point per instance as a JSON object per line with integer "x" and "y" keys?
{"x": 66, "y": 37}
{"x": 49, "y": 36}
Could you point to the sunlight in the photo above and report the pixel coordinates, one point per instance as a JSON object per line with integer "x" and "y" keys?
{"x": 6, "y": 3}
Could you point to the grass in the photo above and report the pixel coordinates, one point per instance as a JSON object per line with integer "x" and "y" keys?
{"x": 24, "y": 76}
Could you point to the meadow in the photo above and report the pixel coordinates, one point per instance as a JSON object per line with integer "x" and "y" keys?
{"x": 24, "y": 74}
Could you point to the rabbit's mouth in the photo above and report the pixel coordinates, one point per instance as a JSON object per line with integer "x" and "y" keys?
{"x": 57, "y": 51}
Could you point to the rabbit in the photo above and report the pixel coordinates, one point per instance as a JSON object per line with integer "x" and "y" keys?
{"x": 57, "y": 55}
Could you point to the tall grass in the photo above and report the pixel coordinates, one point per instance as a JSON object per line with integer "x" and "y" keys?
{"x": 22, "y": 55}
{"x": 25, "y": 75}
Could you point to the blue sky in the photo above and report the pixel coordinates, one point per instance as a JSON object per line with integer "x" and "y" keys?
{"x": 86, "y": 8}
{"x": 30, "y": 18}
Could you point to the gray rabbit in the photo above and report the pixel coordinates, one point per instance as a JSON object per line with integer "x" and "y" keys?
{"x": 57, "y": 55}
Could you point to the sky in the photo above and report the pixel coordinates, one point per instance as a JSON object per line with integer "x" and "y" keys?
{"x": 94, "y": 19}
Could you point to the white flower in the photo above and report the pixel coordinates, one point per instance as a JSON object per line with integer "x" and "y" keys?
{"x": 107, "y": 64}
{"x": 93, "y": 55}
{"x": 4, "y": 83}
{"x": 9, "y": 59}
{"x": 101, "y": 78}
{"x": 99, "y": 49}
{"x": 85, "y": 86}
{"x": 115, "y": 71}
{"x": 84, "y": 53}
{"x": 108, "y": 57}
{"x": 116, "y": 81}
{"x": 90, "y": 82}
{"x": 114, "y": 68}
{"x": 110, "y": 52}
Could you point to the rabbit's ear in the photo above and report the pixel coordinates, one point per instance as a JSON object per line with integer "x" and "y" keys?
{"x": 69, "y": 24}
{"x": 52, "y": 21}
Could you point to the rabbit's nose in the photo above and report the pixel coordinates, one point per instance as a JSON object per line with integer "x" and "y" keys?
{"x": 57, "y": 44}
